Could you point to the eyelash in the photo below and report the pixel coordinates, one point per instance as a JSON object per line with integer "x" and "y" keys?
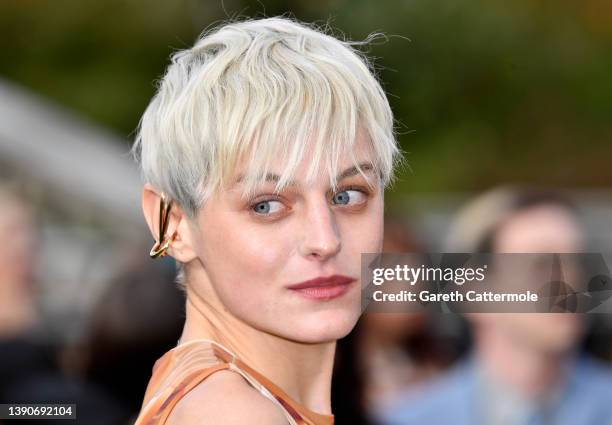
{"x": 253, "y": 204}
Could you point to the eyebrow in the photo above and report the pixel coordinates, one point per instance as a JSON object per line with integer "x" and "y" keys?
{"x": 349, "y": 172}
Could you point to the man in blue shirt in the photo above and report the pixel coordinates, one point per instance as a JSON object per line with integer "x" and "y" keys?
{"x": 524, "y": 368}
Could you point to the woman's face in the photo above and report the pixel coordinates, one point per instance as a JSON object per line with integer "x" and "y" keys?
{"x": 252, "y": 251}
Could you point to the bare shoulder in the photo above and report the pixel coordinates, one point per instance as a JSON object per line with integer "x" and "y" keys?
{"x": 225, "y": 397}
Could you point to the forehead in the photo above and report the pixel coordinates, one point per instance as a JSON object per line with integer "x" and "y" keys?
{"x": 365, "y": 166}
{"x": 352, "y": 161}
{"x": 546, "y": 228}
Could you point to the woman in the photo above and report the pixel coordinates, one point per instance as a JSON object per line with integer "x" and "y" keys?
{"x": 265, "y": 152}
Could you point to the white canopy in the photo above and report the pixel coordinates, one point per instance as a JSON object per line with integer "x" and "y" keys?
{"x": 79, "y": 161}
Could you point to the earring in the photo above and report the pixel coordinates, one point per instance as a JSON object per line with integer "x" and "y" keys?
{"x": 160, "y": 248}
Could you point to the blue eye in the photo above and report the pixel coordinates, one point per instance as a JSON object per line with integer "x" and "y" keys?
{"x": 346, "y": 196}
{"x": 341, "y": 198}
{"x": 264, "y": 207}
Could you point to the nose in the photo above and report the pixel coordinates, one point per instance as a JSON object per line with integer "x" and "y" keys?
{"x": 321, "y": 239}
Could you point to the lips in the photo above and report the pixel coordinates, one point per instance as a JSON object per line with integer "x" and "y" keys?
{"x": 323, "y": 288}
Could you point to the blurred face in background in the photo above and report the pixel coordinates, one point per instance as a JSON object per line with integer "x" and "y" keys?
{"x": 538, "y": 229}
{"x": 253, "y": 250}
{"x": 16, "y": 264}
{"x": 16, "y": 257}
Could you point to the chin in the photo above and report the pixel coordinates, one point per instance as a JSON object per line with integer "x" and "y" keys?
{"x": 563, "y": 337}
{"x": 562, "y": 343}
{"x": 326, "y": 326}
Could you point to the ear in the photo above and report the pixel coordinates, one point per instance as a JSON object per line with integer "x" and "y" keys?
{"x": 181, "y": 246}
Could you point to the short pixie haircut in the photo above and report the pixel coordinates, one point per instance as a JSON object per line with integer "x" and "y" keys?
{"x": 264, "y": 91}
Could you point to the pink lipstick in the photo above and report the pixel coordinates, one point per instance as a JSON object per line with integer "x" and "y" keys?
{"x": 323, "y": 288}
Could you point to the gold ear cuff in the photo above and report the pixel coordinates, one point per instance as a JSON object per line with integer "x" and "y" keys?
{"x": 160, "y": 247}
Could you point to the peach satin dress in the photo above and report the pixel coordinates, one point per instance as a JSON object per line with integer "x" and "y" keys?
{"x": 182, "y": 368}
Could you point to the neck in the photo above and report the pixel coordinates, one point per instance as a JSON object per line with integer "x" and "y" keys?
{"x": 531, "y": 372}
{"x": 302, "y": 370}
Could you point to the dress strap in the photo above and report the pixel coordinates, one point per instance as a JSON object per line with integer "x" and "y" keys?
{"x": 163, "y": 404}
{"x": 294, "y": 412}
{"x": 182, "y": 369}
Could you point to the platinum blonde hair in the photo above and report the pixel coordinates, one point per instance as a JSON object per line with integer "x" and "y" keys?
{"x": 263, "y": 91}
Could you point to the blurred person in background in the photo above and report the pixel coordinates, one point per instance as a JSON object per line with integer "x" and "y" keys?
{"x": 22, "y": 353}
{"x": 18, "y": 311}
{"x": 29, "y": 367}
{"x": 388, "y": 352}
{"x": 527, "y": 368}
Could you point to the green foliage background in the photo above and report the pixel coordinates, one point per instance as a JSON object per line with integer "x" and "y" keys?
{"x": 484, "y": 91}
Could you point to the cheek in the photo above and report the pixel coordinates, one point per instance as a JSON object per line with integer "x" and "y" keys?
{"x": 238, "y": 253}
{"x": 364, "y": 232}
{"x": 248, "y": 246}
